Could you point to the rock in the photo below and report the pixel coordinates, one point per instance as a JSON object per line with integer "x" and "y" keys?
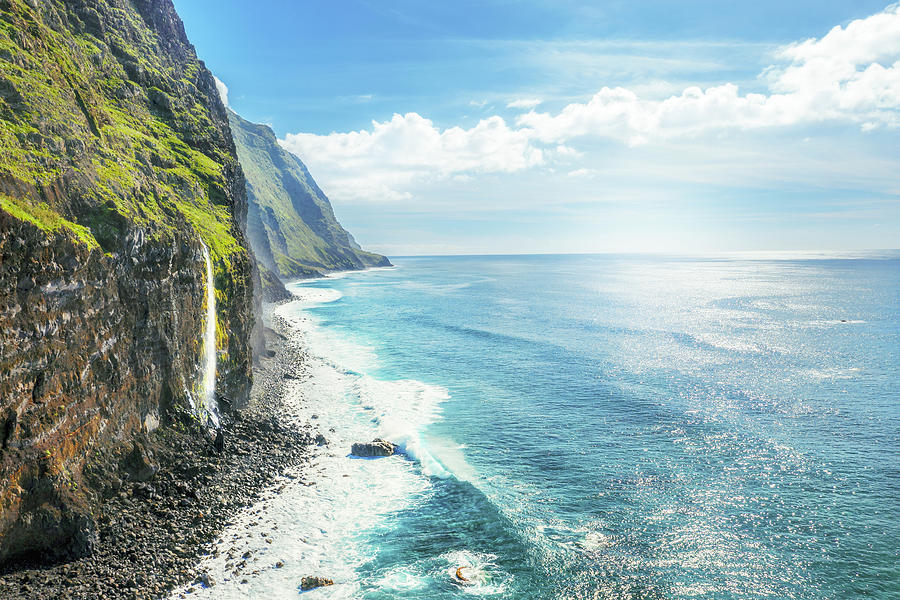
{"x": 320, "y": 440}
{"x": 102, "y": 286}
{"x": 207, "y": 580}
{"x": 279, "y": 564}
{"x": 313, "y": 581}
{"x": 377, "y": 447}
{"x": 219, "y": 442}
{"x": 138, "y": 464}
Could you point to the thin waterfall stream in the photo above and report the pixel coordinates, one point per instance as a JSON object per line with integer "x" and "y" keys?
{"x": 208, "y": 383}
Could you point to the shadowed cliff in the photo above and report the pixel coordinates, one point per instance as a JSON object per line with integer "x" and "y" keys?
{"x": 290, "y": 223}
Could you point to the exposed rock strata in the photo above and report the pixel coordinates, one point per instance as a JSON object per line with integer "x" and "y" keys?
{"x": 151, "y": 534}
{"x": 116, "y": 159}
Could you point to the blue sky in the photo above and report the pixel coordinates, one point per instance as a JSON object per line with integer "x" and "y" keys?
{"x": 506, "y": 126}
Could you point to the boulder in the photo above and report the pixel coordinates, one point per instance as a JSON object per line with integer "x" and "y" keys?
{"x": 219, "y": 442}
{"x": 138, "y": 464}
{"x": 377, "y": 447}
{"x": 312, "y": 582}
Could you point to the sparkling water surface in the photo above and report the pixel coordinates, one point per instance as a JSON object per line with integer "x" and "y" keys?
{"x": 606, "y": 427}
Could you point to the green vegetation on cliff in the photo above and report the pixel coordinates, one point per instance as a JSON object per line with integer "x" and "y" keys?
{"x": 290, "y": 222}
{"x": 116, "y": 160}
{"x": 46, "y": 219}
{"x": 110, "y": 126}
{"x": 105, "y": 122}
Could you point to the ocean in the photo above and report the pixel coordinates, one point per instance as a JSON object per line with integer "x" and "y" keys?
{"x": 585, "y": 427}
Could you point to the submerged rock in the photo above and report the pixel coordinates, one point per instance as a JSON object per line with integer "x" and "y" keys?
{"x": 314, "y": 581}
{"x": 377, "y": 447}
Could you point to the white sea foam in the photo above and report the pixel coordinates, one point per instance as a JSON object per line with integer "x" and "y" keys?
{"x": 317, "y": 522}
{"x": 311, "y": 296}
{"x": 833, "y": 373}
{"x": 484, "y": 577}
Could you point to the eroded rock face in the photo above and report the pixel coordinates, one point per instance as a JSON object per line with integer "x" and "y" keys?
{"x": 376, "y": 447}
{"x": 119, "y": 161}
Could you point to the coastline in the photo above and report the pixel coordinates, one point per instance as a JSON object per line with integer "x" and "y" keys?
{"x": 153, "y": 534}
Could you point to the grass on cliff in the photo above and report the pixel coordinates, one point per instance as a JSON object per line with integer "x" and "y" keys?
{"x": 46, "y": 219}
{"x": 70, "y": 107}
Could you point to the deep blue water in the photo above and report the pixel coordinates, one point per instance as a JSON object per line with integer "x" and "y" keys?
{"x": 640, "y": 427}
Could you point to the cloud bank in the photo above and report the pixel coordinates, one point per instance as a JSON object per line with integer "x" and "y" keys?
{"x": 851, "y": 75}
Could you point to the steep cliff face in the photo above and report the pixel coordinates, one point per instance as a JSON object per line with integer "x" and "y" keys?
{"x": 290, "y": 222}
{"x": 116, "y": 162}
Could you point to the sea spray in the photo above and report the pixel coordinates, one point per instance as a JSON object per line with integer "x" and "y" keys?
{"x": 208, "y": 382}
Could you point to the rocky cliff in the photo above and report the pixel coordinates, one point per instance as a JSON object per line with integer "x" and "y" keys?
{"x": 290, "y": 222}
{"x": 116, "y": 166}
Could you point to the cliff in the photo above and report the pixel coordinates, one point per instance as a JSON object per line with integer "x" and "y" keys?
{"x": 117, "y": 166}
{"x": 290, "y": 222}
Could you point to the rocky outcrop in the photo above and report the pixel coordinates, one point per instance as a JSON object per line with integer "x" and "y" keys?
{"x": 271, "y": 287}
{"x": 312, "y": 582}
{"x": 290, "y": 222}
{"x": 116, "y": 160}
{"x": 376, "y": 447}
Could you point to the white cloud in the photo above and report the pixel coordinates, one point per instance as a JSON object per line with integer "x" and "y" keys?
{"x": 407, "y": 148}
{"x": 583, "y": 173}
{"x": 852, "y": 74}
{"x": 524, "y": 103}
{"x": 568, "y": 152}
{"x": 222, "y": 89}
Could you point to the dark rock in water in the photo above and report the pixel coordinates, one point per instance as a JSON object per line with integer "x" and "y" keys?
{"x": 313, "y": 581}
{"x": 376, "y": 447}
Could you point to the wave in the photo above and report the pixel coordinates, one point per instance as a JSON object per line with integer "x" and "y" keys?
{"x": 400, "y": 411}
{"x": 316, "y": 526}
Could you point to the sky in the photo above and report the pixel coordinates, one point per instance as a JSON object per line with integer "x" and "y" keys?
{"x": 506, "y": 126}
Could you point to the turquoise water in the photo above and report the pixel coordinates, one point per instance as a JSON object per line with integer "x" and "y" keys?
{"x": 634, "y": 427}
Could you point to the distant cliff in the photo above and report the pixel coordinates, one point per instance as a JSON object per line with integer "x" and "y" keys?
{"x": 116, "y": 166}
{"x": 290, "y": 223}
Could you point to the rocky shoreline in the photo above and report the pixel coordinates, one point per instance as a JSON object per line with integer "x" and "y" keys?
{"x": 153, "y": 533}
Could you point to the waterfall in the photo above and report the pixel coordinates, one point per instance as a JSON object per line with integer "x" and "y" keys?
{"x": 208, "y": 383}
